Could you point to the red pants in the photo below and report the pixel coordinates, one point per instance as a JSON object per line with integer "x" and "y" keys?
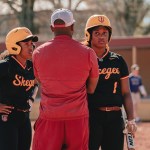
{"x": 61, "y": 135}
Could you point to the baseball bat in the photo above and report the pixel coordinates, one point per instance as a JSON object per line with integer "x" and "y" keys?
{"x": 130, "y": 141}
{"x": 129, "y": 136}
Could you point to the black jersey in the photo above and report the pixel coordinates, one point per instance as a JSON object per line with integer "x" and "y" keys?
{"x": 16, "y": 82}
{"x": 112, "y": 68}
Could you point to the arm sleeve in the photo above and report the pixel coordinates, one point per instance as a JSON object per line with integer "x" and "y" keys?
{"x": 94, "y": 73}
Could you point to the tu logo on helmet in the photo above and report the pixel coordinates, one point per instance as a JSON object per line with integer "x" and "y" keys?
{"x": 101, "y": 19}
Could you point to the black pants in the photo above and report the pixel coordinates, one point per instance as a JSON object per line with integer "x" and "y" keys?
{"x": 15, "y": 133}
{"x": 106, "y": 130}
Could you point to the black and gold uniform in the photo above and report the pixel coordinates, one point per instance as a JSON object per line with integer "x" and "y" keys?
{"x": 105, "y": 124}
{"x": 112, "y": 68}
{"x": 16, "y": 87}
{"x": 112, "y": 92}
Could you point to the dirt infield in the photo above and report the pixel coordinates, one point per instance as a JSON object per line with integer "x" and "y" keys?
{"x": 142, "y": 139}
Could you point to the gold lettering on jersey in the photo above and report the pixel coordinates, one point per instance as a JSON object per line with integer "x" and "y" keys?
{"x": 20, "y": 81}
{"x": 109, "y": 71}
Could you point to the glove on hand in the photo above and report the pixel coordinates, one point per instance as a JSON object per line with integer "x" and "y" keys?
{"x": 131, "y": 127}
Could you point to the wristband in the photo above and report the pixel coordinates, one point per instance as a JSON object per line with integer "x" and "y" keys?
{"x": 131, "y": 121}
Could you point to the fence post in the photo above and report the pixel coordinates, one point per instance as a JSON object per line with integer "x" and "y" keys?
{"x": 134, "y": 55}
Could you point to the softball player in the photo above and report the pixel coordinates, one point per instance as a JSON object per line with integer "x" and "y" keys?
{"x": 106, "y": 122}
{"x": 137, "y": 88}
{"x": 17, "y": 90}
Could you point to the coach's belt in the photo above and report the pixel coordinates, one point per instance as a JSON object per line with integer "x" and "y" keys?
{"x": 23, "y": 110}
{"x": 114, "y": 108}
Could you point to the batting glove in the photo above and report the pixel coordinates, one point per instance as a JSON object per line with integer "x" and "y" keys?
{"x": 131, "y": 126}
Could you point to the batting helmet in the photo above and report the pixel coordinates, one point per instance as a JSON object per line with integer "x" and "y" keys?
{"x": 17, "y": 35}
{"x": 97, "y": 20}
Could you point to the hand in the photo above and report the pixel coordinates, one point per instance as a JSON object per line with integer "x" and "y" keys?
{"x": 131, "y": 127}
{"x": 145, "y": 95}
{"x": 30, "y": 102}
{"x": 5, "y": 109}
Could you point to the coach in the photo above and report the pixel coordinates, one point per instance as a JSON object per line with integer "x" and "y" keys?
{"x": 67, "y": 70}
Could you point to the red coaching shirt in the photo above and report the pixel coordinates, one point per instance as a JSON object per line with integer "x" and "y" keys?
{"x": 63, "y": 65}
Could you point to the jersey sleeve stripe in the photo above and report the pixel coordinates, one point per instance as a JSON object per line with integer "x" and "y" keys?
{"x": 124, "y": 77}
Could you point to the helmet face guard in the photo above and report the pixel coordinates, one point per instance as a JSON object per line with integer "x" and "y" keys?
{"x": 19, "y": 34}
{"x": 97, "y": 20}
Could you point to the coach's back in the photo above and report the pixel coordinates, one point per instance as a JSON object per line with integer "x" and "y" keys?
{"x": 66, "y": 69}
{"x": 63, "y": 66}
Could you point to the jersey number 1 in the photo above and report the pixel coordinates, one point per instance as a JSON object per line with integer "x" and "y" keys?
{"x": 115, "y": 87}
